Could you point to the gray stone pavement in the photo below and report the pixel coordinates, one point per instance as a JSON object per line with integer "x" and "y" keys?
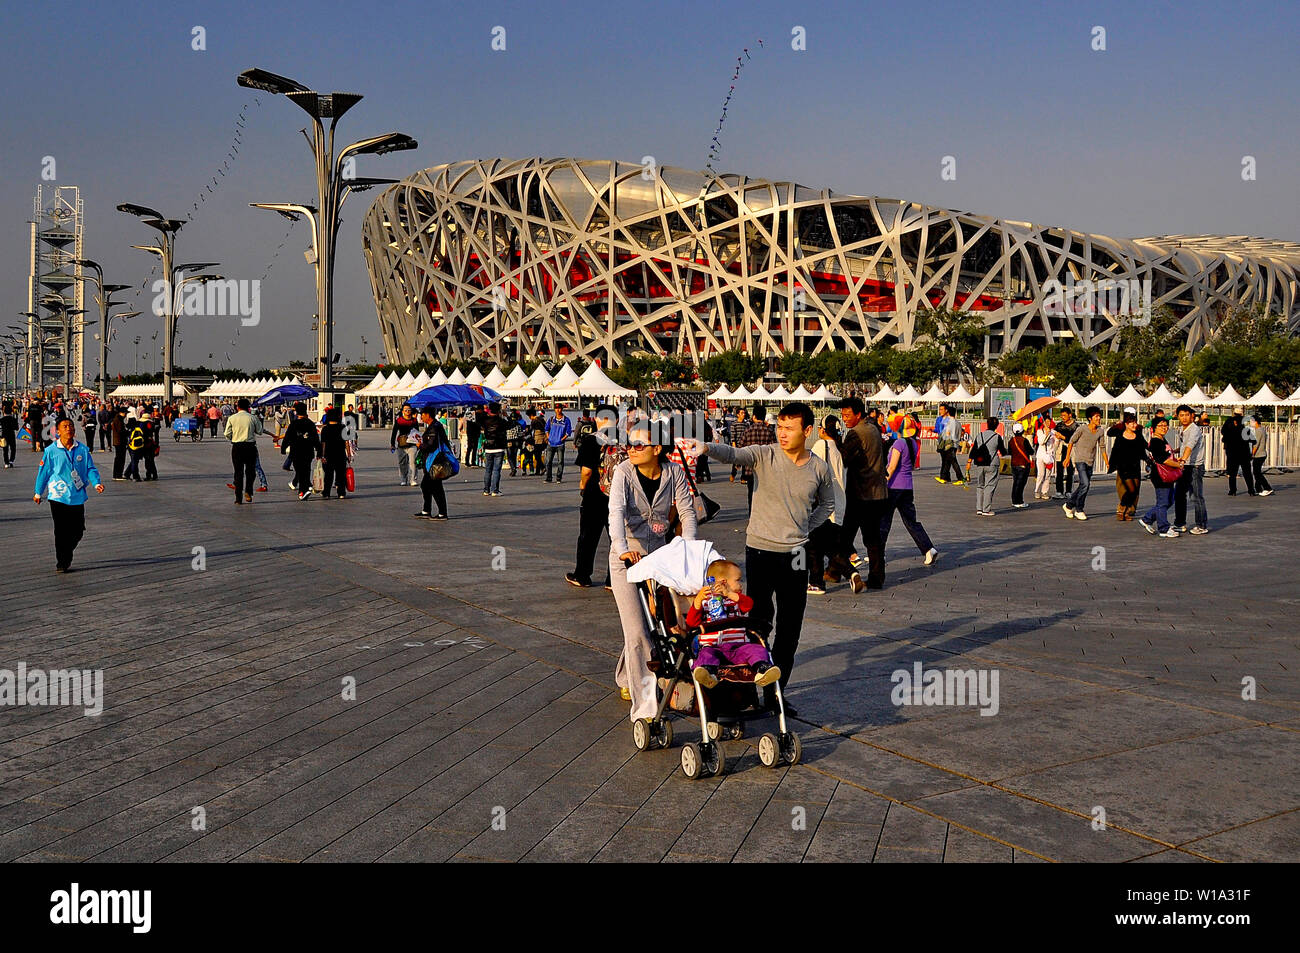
{"x": 484, "y": 694}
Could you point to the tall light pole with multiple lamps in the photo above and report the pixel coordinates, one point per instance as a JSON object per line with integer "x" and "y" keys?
{"x": 332, "y": 187}
{"x": 104, "y": 298}
{"x": 165, "y": 249}
{"x": 56, "y": 302}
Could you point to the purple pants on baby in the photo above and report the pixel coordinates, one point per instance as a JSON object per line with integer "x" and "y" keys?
{"x": 738, "y": 653}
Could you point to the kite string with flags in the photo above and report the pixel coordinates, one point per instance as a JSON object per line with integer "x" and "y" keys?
{"x": 715, "y": 146}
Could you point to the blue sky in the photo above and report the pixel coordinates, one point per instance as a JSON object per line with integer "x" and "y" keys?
{"x": 1144, "y": 138}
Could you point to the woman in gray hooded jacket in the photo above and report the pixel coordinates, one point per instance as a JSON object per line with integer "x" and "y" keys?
{"x": 643, "y": 494}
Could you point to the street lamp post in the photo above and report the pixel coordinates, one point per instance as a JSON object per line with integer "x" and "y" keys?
{"x": 57, "y": 302}
{"x": 104, "y": 298}
{"x": 167, "y": 229}
{"x": 332, "y": 188}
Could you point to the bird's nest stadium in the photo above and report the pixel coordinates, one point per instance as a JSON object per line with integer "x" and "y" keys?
{"x": 514, "y": 259}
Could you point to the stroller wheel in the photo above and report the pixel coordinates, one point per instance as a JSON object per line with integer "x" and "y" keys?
{"x": 665, "y": 737}
{"x": 692, "y": 761}
{"x": 791, "y": 747}
{"x": 641, "y": 733}
{"x": 715, "y": 731}
{"x": 715, "y": 762}
{"x": 769, "y": 750}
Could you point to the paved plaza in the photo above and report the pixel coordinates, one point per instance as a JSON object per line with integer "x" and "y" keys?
{"x": 485, "y": 724}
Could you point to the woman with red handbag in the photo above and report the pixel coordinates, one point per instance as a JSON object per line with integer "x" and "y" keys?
{"x": 1164, "y": 474}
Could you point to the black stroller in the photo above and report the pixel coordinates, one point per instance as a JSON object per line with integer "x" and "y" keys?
{"x": 732, "y": 700}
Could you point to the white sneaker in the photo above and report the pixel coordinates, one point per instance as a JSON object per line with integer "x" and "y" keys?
{"x": 1069, "y": 513}
{"x": 1020, "y": 506}
{"x": 1168, "y": 534}
{"x": 1080, "y": 515}
{"x": 292, "y": 485}
{"x": 1199, "y": 530}
{"x": 1149, "y": 527}
{"x": 1261, "y": 492}
{"x": 931, "y": 556}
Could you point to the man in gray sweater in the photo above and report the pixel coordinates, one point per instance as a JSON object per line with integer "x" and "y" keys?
{"x": 794, "y": 496}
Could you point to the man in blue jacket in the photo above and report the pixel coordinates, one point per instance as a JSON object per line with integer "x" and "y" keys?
{"x": 65, "y": 471}
{"x": 558, "y": 429}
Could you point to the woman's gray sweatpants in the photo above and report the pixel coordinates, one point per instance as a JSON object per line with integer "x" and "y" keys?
{"x": 986, "y": 481}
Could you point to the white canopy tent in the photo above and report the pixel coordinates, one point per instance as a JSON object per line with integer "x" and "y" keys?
{"x": 456, "y": 377}
{"x": 1163, "y": 395}
{"x": 438, "y": 379}
{"x": 154, "y": 391}
{"x": 741, "y": 394}
{"x": 1293, "y": 400}
{"x": 563, "y": 384}
{"x": 761, "y": 393}
{"x": 1099, "y": 395}
{"x": 516, "y": 384}
{"x": 539, "y": 378}
{"x": 1070, "y": 395}
{"x": 475, "y": 376}
{"x": 885, "y": 395}
{"x": 1228, "y": 398}
{"x": 781, "y": 394}
{"x": 371, "y": 389}
{"x": 494, "y": 378}
{"x": 961, "y": 396}
{"x": 934, "y": 395}
{"x": 823, "y": 395}
{"x": 596, "y": 383}
{"x": 1130, "y": 397}
{"x": 1196, "y": 397}
{"x": 802, "y": 393}
{"x": 721, "y": 393}
{"x": 1264, "y": 397}
{"x": 911, "y": 395}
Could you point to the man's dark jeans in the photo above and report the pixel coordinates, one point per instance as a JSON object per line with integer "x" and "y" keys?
{"x": 783, "y": 577}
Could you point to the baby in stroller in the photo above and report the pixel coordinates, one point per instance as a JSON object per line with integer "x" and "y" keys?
{"x": 719, "y": 610}
{"x": 722, "y": 658}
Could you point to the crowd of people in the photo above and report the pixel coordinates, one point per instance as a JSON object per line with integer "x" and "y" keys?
{"x": 822, "y": 495}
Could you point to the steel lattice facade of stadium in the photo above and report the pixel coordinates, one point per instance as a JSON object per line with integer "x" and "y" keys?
{"x": 543, "y": 258}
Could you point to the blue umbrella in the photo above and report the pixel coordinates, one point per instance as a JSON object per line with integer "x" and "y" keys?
{"x": 283, "y": 394}
{"x": 453, "y": 395}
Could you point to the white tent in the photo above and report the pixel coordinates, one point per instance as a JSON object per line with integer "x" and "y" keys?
{"x": 403, "y": 388}
{"x": 1163, "y": 395}
{"x": 515, "y": 385}
{"x": 562, "y": 385}
{"x": 1293, "y": 400}
{"x": 1228, "y": 398}
{"x": 475, "y": 376}
{"x": 934, "y": 395}
{"x": 439, "y": 378}
{"x": 1130, "y": 397}
{"x": 149, "y": 390}
{"x": 885, "y": 395}
{"x": 494, "y": 378}
{"x": 1099, "y": 395}
{"x": 456, "y": 377}
{"x": 977, "y": 397}
{"x": 961, "y": 396}
{"x": 371, "y": 389}
{"x": 595, "y": 383}
{"x": 741, "y": 394}
{"x": 781, "y": 394}
{"x": 911, "y": 395}
{"x": 540, "y": 377}
{"x": 823, "y": 395}
{"x": 1070, "y": 395}
{"x": 802, "y": 393}
{"x": 761, "y": 393}
{"x": 1196, "y": 397}
{"x": 721, "y": 393}
{"x": 1264, "y": 397}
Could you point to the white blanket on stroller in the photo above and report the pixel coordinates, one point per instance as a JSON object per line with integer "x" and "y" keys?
{"x": 682, "y": 565}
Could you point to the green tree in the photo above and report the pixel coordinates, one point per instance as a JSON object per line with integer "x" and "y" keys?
{"x": 736, "y": 367}
{"x": 1066, "y": 362}
{"x": 959, "y": 336}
